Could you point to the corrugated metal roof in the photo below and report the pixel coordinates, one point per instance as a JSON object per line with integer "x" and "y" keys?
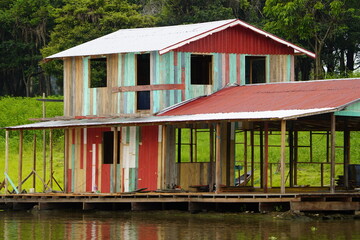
{"x": 325, "y": 94}
{"x": 160, "y": 120}
{"x": 162, "y": 39}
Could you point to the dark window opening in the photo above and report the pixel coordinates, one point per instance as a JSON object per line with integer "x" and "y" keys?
{"x": 143, "y": 78}
{"x": 255, "y": 70}
{"x": 98, "y": 72}
{"x": 201, "y": 69}
{"x": 108, "y": 148}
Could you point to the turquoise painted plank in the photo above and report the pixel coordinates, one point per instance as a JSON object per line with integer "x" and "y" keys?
{"x": 94, "y": 101}
{"x": 129, "y": 81}
{"x": 232, "y": 68}
{"x": 72, "y": 167}
{"x": 215, "y": 73}
{"x": 86, "y": 92}
{"x": 348, "y": 113}
{"x": 188, "y": 92}
{"x": 242, "y": 69}
{"x": 132, "y": 179}
{"x": 11, "y": 183}
{"x": 288, "y": 68}
{"x": 127, "y": 135}
{"x": 171, "y": 79}
{"x": 267, "y": 68}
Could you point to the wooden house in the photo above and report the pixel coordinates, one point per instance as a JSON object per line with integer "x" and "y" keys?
{"x": 115, "y": 84}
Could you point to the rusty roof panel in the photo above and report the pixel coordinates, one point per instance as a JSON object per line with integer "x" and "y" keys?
{"x": 274, "y": 97}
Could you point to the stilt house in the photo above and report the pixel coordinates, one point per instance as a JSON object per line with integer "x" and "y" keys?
{"x": 140, "y": 103}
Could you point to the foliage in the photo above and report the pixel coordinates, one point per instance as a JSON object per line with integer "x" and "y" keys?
{"x": 79, "y": 21}
{"x": 308, "y": 22}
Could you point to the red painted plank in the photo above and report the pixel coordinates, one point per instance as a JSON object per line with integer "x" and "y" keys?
{"x": 105, "y": 178}
{"x": 148, "y": 158}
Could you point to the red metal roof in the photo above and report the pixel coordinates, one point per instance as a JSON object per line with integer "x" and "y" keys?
{"x": 273, "y": 97}
{"x": 237, "y": 39}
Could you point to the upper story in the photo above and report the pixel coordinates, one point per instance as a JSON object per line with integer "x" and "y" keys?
{"x": 142, "y": 71}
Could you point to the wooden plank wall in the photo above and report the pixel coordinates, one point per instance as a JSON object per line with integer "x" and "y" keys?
{"x": 170, "y": 68}
{"x": 193, "y": 174}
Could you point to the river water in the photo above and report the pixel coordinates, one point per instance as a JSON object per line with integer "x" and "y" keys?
{"x": 159, "y": 225}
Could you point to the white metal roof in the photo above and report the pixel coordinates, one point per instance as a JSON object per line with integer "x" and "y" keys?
{"x": 162, "y": 39}
{"x": 161, "y": 120}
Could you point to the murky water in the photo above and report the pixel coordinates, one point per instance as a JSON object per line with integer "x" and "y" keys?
{"x": 161, "y": 225}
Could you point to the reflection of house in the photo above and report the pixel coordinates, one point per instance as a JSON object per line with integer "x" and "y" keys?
{"x": 114, "y": 84}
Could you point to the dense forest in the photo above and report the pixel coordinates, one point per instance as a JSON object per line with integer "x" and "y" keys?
{"x": 33, "y": 29}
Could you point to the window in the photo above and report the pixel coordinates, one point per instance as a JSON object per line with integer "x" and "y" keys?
{"x": 98, "y": 70}
{"x": 143, "y": 78}
{"x": 108, "y": 147}
{"x": 194, "y": 145}
{"x": 201, "y": 69}
{"x": 255, "y": 69}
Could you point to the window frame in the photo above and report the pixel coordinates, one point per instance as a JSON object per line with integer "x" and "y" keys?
{"x": 104, "y": 82}
{"x": 195, "y": 75}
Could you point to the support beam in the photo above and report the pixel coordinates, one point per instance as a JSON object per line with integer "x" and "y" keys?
{"x": 346, "y": 152}
{"x": 21, "y": 139}
{"x": 115, "y": 158}
{"x": 163, "y": 157}
{"x": 282, "y": 155}
{"x": 245, "y": 155}
{"x": 6, "y": 160}
{"x": 44, "y": 158}
{"x": 266, "y": 156}
{"x": 51, "y": 157}
{"x": 332, "y": 155}
{"x": 218, "y": 158}
{"x": 252, "y": 156}
{"x": 296, "y": 155}
{"x": 291, "y": 155}
{"x": 261, "y": 140}
{"x": 34, "y": 163}
{"x": 66, "y": 159}
{"x": 212, "y": 160}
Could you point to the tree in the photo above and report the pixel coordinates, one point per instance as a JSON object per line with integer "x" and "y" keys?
{"x": 312, "y": 22}
{"x": 23, "y": 31}
{"x": 79, "y": 21}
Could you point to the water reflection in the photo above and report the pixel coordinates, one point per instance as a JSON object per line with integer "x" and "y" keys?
{"x": 168, "y": 225}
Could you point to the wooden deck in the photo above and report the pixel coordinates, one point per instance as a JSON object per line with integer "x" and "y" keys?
{"x": 237, "y": 202}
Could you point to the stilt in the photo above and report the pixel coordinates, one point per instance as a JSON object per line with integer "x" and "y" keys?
{"x": 34, "y": 163}
{"x": 282, "y": 159}
{"x": 266, "y": 156}
{"x": 346, "y": 152}
{"x": 51, "y": 157}
{"x": 261, "y": 156}
{"x": 332, "y": 155}
{"x": 218, "y": 158}
{"x": 296, "y": 155}
{"x": 66, "y": 159}
{"x": 44, "y": 157}
{"x": 245, "y": 155}
{"x": 20, "y": 160}
{"x": 211, "y": 165}
{"x": 291, "y": 155}
{"x": 252, "y": 156}
{"x": 6, "y": 160}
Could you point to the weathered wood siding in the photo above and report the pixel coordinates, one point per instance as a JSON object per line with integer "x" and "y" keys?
{"x": 170, "y": 68}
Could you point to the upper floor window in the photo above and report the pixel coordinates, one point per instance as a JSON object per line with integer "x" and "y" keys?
{"x": 201, "y": 69}
{"x": 255, "y": 69}
{"x": 143, "y": 78}
{"x": 98, "y": 72}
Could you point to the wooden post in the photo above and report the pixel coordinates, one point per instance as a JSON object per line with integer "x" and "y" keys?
{"x": 163, "y": 158}
{"x": 245, "y": 156}
{"x": 44, "y": 158}
{"x": 332, "y": 155}
{"x": 266, "y": 156}
{"x": 252, "y": 156}
{"x": 282, "y": 155}
{"x": 34, "y": 163}
{"x": 115, "y": 158}
{"x": 218, "y": 158}
{"x": 261, "y": 156}
{"x": 291, "y": 155}
{"x": 6, "y": 159}
{"x": 296, "y": 155}
{"x": 66, "y": 159}
{"x": 212, "y": 160}
{"x": 346, "y": 152}
{"x": 51, "y": 157}
{"x": 20, "y": 160}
